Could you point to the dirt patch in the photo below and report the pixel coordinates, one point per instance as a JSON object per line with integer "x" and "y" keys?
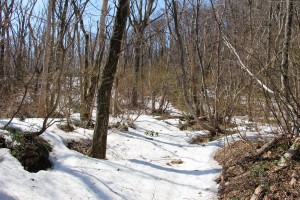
{"x": 81, "y": 146}
{"x": 240, "y": 181}
{"x": 66, "y": 127}
{"x": 121, "y": 126}
{"x": 175, "y": 162}
{"x": 200, "y": 139}
{"x": 90, "y": 125}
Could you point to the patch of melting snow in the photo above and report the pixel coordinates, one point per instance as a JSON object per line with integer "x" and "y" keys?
{"x": 137, "y": 168}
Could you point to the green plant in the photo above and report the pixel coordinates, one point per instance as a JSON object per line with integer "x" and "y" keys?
{"x": 16, "y": 135}
{"x": 151, "y": 133}
{"x": 22, "y": 118}
{"x": 33, "y": 154}
{"x": 180, "y": 124}
{"x": 189, "y": 117}
{"x": 258, "y": 170}
{"x": 234, "y": 198}
{"x": 280, "y": 149}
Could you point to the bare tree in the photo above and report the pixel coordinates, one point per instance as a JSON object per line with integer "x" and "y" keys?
{"x": 96, "y": 66}
{"x": 139, "y": 19}
{"x": 104, "y": 92}
{"x": 42, "y": 107}
{"x": 183, "y": 76}
{"x": 91, "y": 67}
{"x": 285, "y": 51}
{"x": 61, "y": 52}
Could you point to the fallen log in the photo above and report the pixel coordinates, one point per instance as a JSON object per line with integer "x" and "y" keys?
{"x": 290, "y": 153}
{"x": 257, "y": 193}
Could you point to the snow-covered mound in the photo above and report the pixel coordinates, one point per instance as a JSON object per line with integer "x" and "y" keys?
{"x": 162, "y": 167}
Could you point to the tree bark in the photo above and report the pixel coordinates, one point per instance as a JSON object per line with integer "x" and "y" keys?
{"x": 285, "y": 84}
{"x": 137, "y": 58}
{"x": 104, "y": 91}
{"x": 285, "y": 51}
{"x": 85, "y": 104}
{"x": 42, "y": 107}
{"x": 96, "y": 69}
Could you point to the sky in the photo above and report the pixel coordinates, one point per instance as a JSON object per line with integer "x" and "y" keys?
{"x": 92, "y": 12}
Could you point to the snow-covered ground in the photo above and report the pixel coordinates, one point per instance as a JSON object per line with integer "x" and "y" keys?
{"x": 137, "y": 168}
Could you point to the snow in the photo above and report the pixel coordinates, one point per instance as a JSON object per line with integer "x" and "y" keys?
{"x": 137, "y": 167}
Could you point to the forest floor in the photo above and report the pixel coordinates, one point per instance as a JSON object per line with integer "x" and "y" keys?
{"x": 153, "y": 160}
{"x": 258, "y": 177}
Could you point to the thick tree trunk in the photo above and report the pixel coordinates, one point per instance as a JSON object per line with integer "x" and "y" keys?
{"x": 104, "y": 91}
{"x": 116, "y": 107}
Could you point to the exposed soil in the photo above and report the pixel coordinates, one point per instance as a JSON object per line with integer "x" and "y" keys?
{"x": 32, "y": 151}
{"x": 239, "y": 180}
{"x": 200, "y": 139}
{"x": 120, "y": 126}
{"x": 33, "y": 154}
{"x": 174, "y": 162}
{"x": 82, "y": 146}
{"x": 84, "y": 124}
{"x": 66, "y": 127}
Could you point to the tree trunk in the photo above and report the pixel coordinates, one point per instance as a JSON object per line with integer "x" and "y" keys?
{"x": 96, "y": 70}
{"x": 140, "y": 19}
{"x": 137, "y": 58}
{"x": 285, "y": 51}
{"x": 153, "y": 96}
{"x": 183, "y": 80}
{"x": 285, "y": 85}
{"x": 269, "y": 43}
{"x": 162, "y": 100}
{"x": 104, "y": 91}
{"x": 42, "y": 107}
{"x": 116, "y": 108}
{"x": 85, "y": 104}
{"x": 2, "y": 48}
{"x": 194, "y": 77}
{"x": 61, "y": 57}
